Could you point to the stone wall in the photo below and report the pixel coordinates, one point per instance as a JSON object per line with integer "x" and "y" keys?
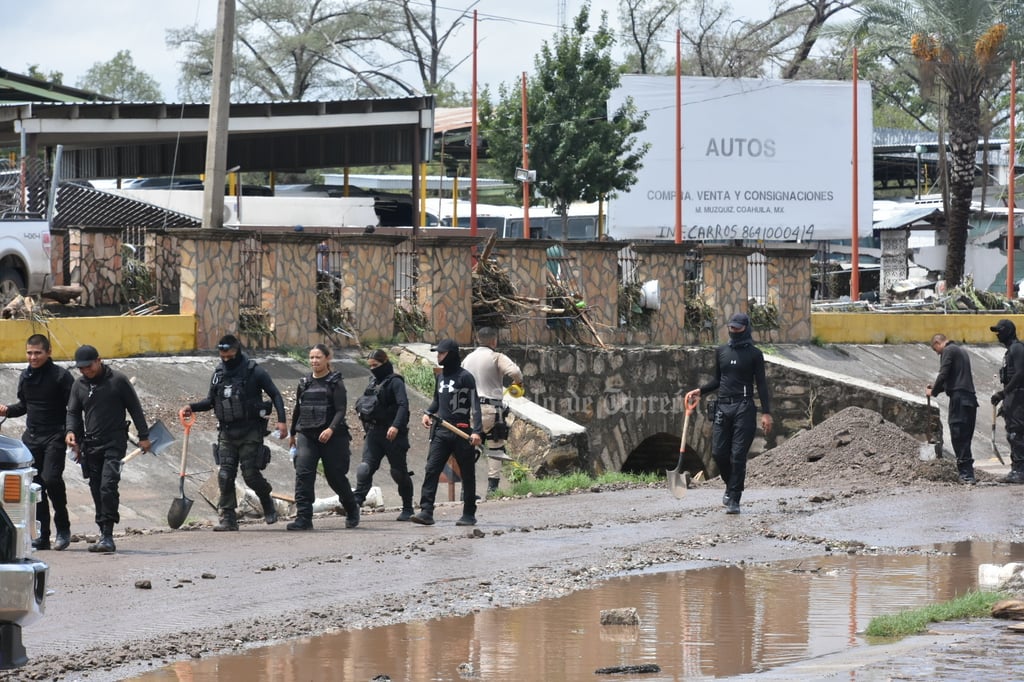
{"x": 631, "y": 402}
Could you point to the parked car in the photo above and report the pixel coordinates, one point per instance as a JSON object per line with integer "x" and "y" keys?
{"x": 23, "y": 579}
{"x": 24, "y": 255}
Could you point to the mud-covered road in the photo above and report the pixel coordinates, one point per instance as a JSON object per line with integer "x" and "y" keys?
{"x": 212, "y": 593}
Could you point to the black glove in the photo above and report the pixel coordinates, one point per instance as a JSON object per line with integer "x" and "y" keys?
{"x": 997, "y": 397}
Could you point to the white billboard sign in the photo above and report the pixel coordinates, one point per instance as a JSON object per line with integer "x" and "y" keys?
{"x": 762, "y": 160}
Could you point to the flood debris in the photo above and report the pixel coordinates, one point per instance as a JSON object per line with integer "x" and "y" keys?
{"x": 644, "y": 668}
{"x": 623, "y": 616}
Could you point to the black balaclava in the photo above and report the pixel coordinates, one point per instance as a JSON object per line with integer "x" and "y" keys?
{"x": 235, "y": 362}
{"x": 738, "y": 338}
{"x": 1006, "y": 335}
{"x": 451, "y": 361}
{"x": 382, "y": 371}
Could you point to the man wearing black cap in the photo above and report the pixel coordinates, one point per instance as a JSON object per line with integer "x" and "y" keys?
{"x": 739, "y": 364}
{"x": 1011, "y": 376}
{"x": 455, "y": 401}
{"x": 236, "y": 397}
{"x": 387, "y": 431}
{"x": 956, "y": 380}
{"x": 96, "y": 426}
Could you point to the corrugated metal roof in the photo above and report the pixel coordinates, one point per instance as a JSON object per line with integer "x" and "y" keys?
{"x": 80, "y": 206}
{"x": 907, "y": 217}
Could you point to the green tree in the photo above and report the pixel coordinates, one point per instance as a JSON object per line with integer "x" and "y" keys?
{"x": 580, "y": 153}
{"x": 964, "y": 47}
{"x": 120, "y": 79}
{"x": 55, "y": 77}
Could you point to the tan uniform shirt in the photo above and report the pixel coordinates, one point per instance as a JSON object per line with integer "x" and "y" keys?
{"x": 490, "y": 368}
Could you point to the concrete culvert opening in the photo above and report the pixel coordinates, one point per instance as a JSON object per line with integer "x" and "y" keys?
{"x": 660, "y": 453}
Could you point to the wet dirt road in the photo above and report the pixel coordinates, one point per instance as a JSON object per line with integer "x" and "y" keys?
{"x": 214, "y": 593}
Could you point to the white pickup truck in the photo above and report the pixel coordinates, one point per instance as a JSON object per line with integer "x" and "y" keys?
{"x": 24, "y": 256}
{"x": 22, "y": 578}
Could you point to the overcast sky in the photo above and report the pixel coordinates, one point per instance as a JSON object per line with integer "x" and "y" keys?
{"x": 71, "y": 35}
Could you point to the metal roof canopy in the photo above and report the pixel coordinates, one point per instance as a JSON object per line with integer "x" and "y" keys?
{"x": 118, "y": 140}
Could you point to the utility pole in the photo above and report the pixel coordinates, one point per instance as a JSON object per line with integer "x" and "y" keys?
{"x": 561, "y": 15}
{"x": 220, "y": 105}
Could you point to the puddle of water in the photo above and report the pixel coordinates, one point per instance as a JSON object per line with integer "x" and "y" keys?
{"x": 712, "y": 622}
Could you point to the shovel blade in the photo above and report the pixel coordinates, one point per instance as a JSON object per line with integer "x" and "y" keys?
{"x": 178, "y": 512}
{"x": 678, "y": 482}
{"x": 159, "y": 437}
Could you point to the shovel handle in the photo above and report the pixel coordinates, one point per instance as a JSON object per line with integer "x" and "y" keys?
{"x": 186, "y": 420}
{"x": 691, "y": 402}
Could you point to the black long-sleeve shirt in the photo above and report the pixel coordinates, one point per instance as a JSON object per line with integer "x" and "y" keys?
{"x": 43, "y": 395}
{"x": 738, "y": 366}
{"x": 455, "y": 400}
{"x": 954, "y": 371}
{"x": 97, "y": 409}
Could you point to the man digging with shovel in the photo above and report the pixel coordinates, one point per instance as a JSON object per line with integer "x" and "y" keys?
{"x": 956, "y": 380}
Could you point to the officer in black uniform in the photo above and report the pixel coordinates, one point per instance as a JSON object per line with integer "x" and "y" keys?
{"x": 387, "y": 432}
{"x": 956, "y": 380}
{"x": 321, "y": 436}
{"x": 236, "y": 397}
{"x": 1011, "y": 376}
{"x": 456, "y": 402}
{"x": 43, "y": 391}
{"x": 739, "y": 364}
{"x": 95, "y": 425}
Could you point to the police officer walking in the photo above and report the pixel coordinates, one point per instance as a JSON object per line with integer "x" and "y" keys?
{"x": 236, "y": 397}
{"x": 321, "y": 436}
{"x": 43, "y": 391}
{"x": 95, "y": 425}
{"x": 455, "y": 401}
{"x": 956, "y": 380}
{"x": 490, "y": 369}
{"x": 384, "y": 411}
{"x": 1011, "y": 376}
{"x": 739, "y": 364}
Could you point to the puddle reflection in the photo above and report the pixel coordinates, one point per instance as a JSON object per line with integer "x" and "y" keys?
{"x": 712, "y": 622}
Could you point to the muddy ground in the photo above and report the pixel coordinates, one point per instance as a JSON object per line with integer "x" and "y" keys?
{"x": 212, "y": 593}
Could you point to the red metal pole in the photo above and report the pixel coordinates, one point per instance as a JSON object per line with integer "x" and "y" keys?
{"x": 473, "y": 142}
{"x": 679, "y": 139}
{"x": 855, "y": 250}
{"x": 526, "y": 166}
{"x": 1011, "y": 285}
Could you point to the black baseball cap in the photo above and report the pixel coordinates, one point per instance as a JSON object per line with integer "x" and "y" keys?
{"x": 446, "y": 346}
{"x": 86, "y": 355}
{"x": 1004, "y": 326}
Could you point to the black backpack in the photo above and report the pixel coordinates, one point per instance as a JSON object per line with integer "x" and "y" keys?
{"x": 368, "y": 406}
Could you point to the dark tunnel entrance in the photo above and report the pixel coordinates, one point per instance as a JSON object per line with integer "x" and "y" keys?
{"x": 660, "y": 453}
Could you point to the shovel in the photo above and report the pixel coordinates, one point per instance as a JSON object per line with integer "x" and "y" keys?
{"x": 995, "y": 415}
{"x": 679, "y": 480}
{"x": 929, "y": 450}
{"x": 159, "y": 440}
{"x": 181, "y": 506}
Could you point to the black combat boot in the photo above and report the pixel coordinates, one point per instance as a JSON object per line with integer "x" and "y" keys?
{"x": 352, "y": 517}
{"x": 105, "y": 545}
{"x": 63, "y": 540}
{"x": 300, "y": 523}
{"x": 269, "y": 509}
{"x": 228, "y": 521}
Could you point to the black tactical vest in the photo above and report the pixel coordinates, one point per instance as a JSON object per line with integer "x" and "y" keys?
{"x": 316, "y": 402}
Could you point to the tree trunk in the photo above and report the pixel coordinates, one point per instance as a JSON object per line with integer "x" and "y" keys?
{"x": 964, "y": 117}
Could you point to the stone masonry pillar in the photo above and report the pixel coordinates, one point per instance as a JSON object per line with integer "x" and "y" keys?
{"x": 445, "y": 285}
{"x": 665, "y": 262}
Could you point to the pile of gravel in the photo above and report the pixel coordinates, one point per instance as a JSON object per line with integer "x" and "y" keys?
{"x": 853, "y": 447}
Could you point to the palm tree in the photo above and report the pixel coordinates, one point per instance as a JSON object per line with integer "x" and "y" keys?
{"x": 964, "y": 46}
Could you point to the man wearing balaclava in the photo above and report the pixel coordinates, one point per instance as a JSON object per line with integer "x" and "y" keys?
{"x": 456, "y": 402}
{"x": 236, "y": 397}
{"x": 1011, "y": 376}
{"x": 739, "y": 364}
